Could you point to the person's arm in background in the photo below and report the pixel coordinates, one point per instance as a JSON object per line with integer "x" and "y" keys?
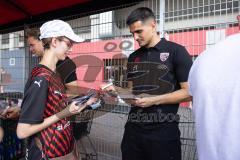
{"x": 12, "y": 112}
{"x": 67, "y": 72}
{"x": 74, "y": 89}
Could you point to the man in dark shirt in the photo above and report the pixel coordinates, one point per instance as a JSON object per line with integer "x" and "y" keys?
{"x": 147, "y": 138}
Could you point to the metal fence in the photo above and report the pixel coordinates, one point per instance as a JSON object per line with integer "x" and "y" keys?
{"x": 196, "y": 24}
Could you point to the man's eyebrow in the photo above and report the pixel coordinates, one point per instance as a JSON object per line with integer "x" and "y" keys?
{"x": 139, "y": 30}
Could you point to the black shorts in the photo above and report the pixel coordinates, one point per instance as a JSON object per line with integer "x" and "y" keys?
{"x": 147, "y": 146}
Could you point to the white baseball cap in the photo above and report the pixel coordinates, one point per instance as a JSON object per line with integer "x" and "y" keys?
{"x": 57, "y": 28}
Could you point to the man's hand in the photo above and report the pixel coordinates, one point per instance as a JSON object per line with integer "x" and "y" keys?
{"x": 12, "y": 112}
{"x": 145, "y": 102}
{"x": 141, "y": 102}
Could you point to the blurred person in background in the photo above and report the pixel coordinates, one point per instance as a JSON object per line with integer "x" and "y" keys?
{"x": 214, "y": 83}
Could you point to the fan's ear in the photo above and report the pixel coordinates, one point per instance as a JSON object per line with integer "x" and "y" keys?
{"x": 54, "y": 42}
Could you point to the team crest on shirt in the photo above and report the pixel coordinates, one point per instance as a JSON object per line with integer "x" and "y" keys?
{"x": 164, "y": 56}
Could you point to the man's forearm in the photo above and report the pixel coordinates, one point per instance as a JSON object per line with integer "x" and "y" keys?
{"x": 178, "y": 96}
{"x": 74, "y": 89}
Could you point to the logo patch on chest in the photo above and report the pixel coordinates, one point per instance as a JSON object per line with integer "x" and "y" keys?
{"x": 164, "y": 56}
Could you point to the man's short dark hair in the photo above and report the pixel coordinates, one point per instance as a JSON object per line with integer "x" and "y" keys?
{"x": 33, "y": 32}
{"x": 140, "y": 14}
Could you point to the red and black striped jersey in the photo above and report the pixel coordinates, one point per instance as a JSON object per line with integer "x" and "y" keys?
{"x": 45, "y": 96}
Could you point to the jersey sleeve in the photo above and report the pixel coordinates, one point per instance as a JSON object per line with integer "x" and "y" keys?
{"x": 182, "y": 64}
{"x": 67, "y": 70}
{"x": 34, "y": 101}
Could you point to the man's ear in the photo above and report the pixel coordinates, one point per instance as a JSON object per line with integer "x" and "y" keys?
{"x": 153, "y": 24}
